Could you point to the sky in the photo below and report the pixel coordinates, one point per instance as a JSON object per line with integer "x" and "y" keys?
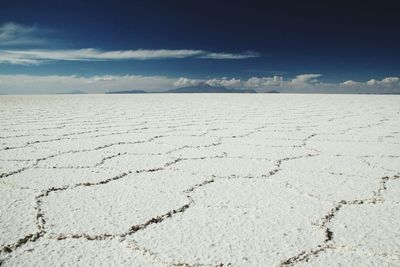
{"x": 291, "y": 46}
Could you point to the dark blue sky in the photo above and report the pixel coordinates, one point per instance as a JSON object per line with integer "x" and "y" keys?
{"x": 340, "y": 40}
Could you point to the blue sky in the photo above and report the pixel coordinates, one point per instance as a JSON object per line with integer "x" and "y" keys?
{"x": 292, "y": 46}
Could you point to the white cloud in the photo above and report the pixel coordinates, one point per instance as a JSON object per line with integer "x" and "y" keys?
{"x": 264, "y": 82}
{"x": 259, "y": 83}
{"x": 390, "y": 81}
{"x": 224, "y": 82}
{"x": 17, "y": 59}
{"x": 385, "y": 82}
{"x": 32, "y": 84}
{"x": 305, "y": 83}
{"x": 300, "y": 82}
{"x": 13, "y": 34}
{"x": 386, "y": 85}
{"x": 372, "y": 82}
{"x": 310, "y": 83}
{"x": 350, "y": 83}
{"x": 184, "y": 82}
{"x": 90, "y": 54}
{"x": 230, "y": 55}
{"x": 104, "y": 78}
{"x": 18, "y": 34}
{"x": 305, "y": 79}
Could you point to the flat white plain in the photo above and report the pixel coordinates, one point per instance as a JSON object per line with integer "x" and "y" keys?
{"x": 200, "y": 180}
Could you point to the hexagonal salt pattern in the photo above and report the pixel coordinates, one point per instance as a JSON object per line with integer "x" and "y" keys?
{"x": 200, "y": 180}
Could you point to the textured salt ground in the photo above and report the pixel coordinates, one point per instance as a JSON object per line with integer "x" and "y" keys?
{"x": 348, "y": 257}
{"x": 200, "y": 180}
{"x": 17, "y": 214}
{"x": 7, "y": 166}
{"x": 41, "y": 179}
{"x": 76, "y": 252}
{"x": 237, "y": 227}
{"x": 338, "y": 178}
{"x": 381, "y": 235}
{"x": 113, "y": 209}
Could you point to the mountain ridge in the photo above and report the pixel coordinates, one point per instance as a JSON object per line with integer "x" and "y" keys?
{"x": 194, "y": 89}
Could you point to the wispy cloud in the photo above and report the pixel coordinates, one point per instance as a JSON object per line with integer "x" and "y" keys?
{"x": 90, "y": 54}
{"x": 13, "y": 34}
{"x": 230, "y": 55}
{"x": 26, "y": 57}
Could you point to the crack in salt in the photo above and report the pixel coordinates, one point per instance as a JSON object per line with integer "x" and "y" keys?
{"x": 328, "y": 243}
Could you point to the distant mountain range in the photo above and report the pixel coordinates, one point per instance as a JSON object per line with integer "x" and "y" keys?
{"x": 196, "y": 89}
{"x": 76, "y": 92}
{"x": 206, "y": 88}
{"x": 128, "y": 92}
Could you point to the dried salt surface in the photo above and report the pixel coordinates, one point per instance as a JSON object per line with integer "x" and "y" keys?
{"x": 114, "y": 209}
{"x": 17, "y": 215}
{"x": 261, "y": 151}
{"x": 238, "y": 222}
{"x": 138, "y": 163}
{"x": 336, "y": 178}
{"x": 389, "y": 164}
{"x": 371, "y": 227}
{"x": 200, "y": 180}
{"x": 7, "y": 166}
{"x": 393, "y": 191}
{"x": 227, "y": 167}
{"x": 84, "y": 159}
{"x": 77, "y": 252}
{"x": 178, "y": 140}
{"x": 151, "y": 148}
{"x": 26, "y": 153}
{"x": 345, "y": 257}
{"x": 41, "y": 179}
{"x": 335, "y": 147}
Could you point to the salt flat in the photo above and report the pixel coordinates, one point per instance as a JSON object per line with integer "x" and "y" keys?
{"x": 200, "y": 180}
